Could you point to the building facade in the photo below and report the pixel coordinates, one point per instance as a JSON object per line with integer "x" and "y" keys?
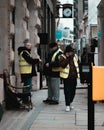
{"x": 100, "y": 18}
{"x": 75, "y": 4}
{"x": 80, "y": 24}
{"x": 88, "y": 28}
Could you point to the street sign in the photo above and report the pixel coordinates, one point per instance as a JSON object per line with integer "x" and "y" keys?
{"x": 58, "y": 34}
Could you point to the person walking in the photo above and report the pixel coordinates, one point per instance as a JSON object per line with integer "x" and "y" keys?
{"x": 27, "y": 67}
{"x": 52, "y": 71}
{"x": 69, "y": 74}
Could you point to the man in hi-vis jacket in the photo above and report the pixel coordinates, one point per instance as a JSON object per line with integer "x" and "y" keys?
{"x": 27, "y": 66}
{"x": 53, "y": 73}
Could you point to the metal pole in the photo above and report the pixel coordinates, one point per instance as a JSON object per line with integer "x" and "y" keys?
{"x": 41, "y": 85}
{"x": 90, "y": 109}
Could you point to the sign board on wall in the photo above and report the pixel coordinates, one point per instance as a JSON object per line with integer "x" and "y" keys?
{"x": 58, "y": 34}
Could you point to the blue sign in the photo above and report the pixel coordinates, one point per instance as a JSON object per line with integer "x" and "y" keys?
{"x": 58, "y": 34}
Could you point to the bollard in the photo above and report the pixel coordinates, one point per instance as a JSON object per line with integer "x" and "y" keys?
{"x": 90, "y": 109}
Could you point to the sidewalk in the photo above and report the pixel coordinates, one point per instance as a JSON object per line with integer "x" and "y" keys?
{"x": 53, "y": 117}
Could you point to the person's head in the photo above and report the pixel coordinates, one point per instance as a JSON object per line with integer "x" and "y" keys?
{"x": 84, "y": 50}
{"x": 28, "y": 45}
{"x": 69, "y": 51}
{"x": 53, "y": 45}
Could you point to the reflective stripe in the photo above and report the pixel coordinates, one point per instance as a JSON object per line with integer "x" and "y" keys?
{"x": 64, "y": 72}
{"x": 56, "y": 69}
{"x": 25, "y": 67}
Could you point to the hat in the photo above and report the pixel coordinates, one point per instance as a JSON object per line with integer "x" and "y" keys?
{"x": 68, "y": 48}
{"x": 28, "y": 44}
{"x": 53, "y": 44}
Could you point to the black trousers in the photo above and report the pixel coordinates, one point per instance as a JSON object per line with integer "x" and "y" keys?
{"x": 69, "y": 90}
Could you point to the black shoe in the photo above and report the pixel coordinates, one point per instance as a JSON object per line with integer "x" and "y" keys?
{"x": 47, "y": 101}
{"x": 26, "y": 103}
{"x": 53, "y": 102}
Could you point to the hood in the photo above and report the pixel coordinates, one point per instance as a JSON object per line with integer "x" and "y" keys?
{"x": 20, "y": 49}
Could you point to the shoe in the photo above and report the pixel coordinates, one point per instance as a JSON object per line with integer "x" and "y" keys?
{"x": 47, "y": 101}
{"x": 71, "y": 107}
{"x": 68, "y": 108}
{"x": 28, "y": 103}
{"x": 52, "y": 102}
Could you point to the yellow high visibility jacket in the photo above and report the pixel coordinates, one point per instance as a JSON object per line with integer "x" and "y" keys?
{"x": 56, "y": 69}
{"x": 25, "y": 67}
{"x": 64, "y": 73}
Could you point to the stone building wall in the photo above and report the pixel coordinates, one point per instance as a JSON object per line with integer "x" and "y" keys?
{"x": 101, "y": 33}
{"x": 4, "y": 35}
{"x": 26, "y": 15}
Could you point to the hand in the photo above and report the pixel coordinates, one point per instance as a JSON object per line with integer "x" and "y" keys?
{"x": 47, "y": 64}
{"x": 40, "y": 61}
{"x": 69, "y": 54}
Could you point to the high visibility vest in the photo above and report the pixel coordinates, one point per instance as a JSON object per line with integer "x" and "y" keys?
{"x": 25, "y": 67}
{"x": 56, "y": 69}
{"x": 64, "y": 73}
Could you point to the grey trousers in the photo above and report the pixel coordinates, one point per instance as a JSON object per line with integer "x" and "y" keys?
{"x": 53, "y": 88}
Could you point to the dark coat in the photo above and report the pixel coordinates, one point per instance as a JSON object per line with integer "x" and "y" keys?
{"x": 69, "y": 60}
{"x": 48, "y": 70}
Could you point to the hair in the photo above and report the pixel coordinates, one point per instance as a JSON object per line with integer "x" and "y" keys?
{"x": 53, "y": 44}
{"x": 68, "y": 48}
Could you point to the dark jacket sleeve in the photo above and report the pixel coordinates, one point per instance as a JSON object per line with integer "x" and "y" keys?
{"x": 63, "y": 62}
{"x": 29, "y": 59}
